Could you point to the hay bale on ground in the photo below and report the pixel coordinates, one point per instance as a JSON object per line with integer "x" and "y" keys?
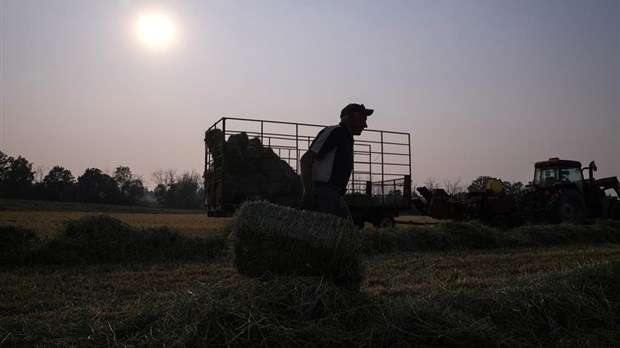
{"x": 267, "y": 238}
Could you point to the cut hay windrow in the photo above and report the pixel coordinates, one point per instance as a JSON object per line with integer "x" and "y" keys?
{"x": 104, "y": 239}
{"x": 267, "y": 238}
{"x": 15, "y": 244}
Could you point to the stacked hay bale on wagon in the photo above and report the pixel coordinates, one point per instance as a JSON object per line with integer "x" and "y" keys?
{"x": 243, "y": 169}
{"x": 267, "y": 238}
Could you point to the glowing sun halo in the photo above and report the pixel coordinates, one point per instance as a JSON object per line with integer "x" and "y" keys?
{"x": 155, "y": 30}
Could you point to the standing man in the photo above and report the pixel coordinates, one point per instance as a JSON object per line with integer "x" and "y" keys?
{"x": 327, "y": 165}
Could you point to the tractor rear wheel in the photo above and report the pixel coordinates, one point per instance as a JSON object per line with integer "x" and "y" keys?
{"x": 571, "y": 208}
{"x": 384, "y": 222}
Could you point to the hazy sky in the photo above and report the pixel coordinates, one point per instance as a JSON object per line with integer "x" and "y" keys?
{"x": 485, "y": 87}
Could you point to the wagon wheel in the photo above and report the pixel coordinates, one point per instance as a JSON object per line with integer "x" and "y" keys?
{"x": 384, "y": 222}
{"x": 615, "y": 211}
{"x": 500, "y": 222}
{"x": 359, "y": 224}
{"x": 571, "y": 208}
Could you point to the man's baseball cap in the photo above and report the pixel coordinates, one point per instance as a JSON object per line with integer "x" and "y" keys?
{"x": 359, "y": 108}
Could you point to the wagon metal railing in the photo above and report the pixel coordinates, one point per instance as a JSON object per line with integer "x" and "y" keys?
{"x": 382, "y": 159}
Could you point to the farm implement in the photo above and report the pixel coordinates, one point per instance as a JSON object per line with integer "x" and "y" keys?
{"x": 490, "y": 205}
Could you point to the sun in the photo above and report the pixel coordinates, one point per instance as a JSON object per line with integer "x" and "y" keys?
{"x": 155, "y": 30}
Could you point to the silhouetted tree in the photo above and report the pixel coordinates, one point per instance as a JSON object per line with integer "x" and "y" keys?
{"x": 431, "y": 183}
{"x": 131, "y": 188}
{"x": 39, "y": 173}
{"x": 95, "y": 186}
{"x": 161, "y": 194}
{"x": 164, "y": 177}
{"x": 187, "y": 191}
{"x": 5, "y": 165}
{"x": 58, "y": 185}
{"x": 452, "y": 187}
{"x": 515, "y": 189}
{"x": 183, "y": 191}
{"x": 17, "y": 177}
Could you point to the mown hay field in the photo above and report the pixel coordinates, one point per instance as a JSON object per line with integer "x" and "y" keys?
{"x": 152, "y": 304}
{"x": 49, "y": 223}
{"x": 545, "y": 289}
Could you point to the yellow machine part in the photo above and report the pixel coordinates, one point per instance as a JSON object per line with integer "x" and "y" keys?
{"x": 495, "y": 185}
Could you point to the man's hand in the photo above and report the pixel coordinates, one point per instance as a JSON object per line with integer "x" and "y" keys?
{"x": 309, "y": 201}
{"x": 305, "y": 163}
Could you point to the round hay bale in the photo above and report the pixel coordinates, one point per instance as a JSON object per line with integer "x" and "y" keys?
{"x": 268, "y": 238}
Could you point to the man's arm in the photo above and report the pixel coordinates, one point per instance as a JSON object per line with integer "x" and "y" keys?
{"x": 305, "y": 162}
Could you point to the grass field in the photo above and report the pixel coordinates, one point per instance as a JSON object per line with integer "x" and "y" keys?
{"x": 47, "y": 218}
{"x": 49, "y": 223}
{"x": 556, "y": 295}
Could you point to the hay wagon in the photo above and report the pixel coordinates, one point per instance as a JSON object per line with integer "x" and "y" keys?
{"x": 249, "y": 159}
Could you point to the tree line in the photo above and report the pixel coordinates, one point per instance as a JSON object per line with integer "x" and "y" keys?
{"x": 18, "y": 180}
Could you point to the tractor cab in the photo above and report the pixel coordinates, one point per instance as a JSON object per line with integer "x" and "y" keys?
{"x": 556, "y": 172}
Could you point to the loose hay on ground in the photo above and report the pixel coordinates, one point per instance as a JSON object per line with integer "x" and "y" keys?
{"x": 268, "y": 238}
{"x": 575, "y": 308}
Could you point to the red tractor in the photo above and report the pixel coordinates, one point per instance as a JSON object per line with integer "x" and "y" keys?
{"x": 560, "y": 193}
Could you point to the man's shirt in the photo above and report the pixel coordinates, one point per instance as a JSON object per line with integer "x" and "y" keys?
{"x": 334, "y": 162}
